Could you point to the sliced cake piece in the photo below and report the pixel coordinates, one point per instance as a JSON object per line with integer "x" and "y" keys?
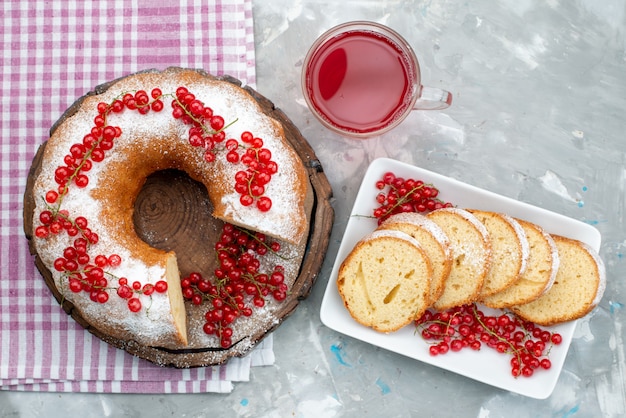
{"x": 471, "y": 254}
{"x": 543, "y": 264}
{"x": 578, "y": 288}
{"x": 433, "y": 241}
{"x": 509, "y": 251}
{"x": 385, "y": 280}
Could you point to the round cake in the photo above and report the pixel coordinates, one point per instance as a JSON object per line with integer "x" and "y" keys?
{"x": 98, "y": 255}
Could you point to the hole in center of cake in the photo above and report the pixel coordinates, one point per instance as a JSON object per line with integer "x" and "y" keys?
{"x": 173, "y": 213}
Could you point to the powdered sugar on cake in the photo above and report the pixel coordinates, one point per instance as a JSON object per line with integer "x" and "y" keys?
{"x": 393, "y": 234}
{"x": 524, "y": 246}
{"x": 158, "y": 133}
{"x": 422, "y": 221}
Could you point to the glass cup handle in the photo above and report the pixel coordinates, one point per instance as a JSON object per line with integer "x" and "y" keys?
{"x": 431, "y": 98}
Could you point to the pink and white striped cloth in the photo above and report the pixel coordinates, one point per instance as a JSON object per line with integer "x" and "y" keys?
{"x": 52, "y": 53}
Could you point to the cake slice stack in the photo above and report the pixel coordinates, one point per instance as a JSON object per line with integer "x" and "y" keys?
{"x": 452, "y": 257}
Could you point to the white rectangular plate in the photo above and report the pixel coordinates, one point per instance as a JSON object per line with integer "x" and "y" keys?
{"x": 486, "y": 365}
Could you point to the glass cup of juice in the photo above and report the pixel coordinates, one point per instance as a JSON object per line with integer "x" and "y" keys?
{"x": 361, "y": 79}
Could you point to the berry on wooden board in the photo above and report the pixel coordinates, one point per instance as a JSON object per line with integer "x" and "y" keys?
{"x": 240, "y": 285}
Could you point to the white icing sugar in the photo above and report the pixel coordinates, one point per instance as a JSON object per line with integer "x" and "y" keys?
{"x": 421, "y": 221}
{"x": 523, "y": 241}
{"x": 471, "y": 218}
{"x": 394, "y": 234}
{"x": 474, "y": 254}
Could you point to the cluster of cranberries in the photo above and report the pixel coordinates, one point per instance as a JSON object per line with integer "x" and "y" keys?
{"x": 84, "y": 273}
{"x": 80, "y": 159}
{"x": 251, "y": 183}
{"x": 398, "y": 195}
{"x": 207, "y": 131}
{"x": 129, "y": 291}
{"x": 239, "y": 283}
{"x": 87, "y": 274}
{"x": 468, "y": 327}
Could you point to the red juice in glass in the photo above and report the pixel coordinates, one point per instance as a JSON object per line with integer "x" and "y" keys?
{"x": 360, "y": 81}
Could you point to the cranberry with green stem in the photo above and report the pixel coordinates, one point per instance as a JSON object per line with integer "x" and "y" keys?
{"x": 239, "y": 286}
{"x": 399, "y": 195}
{"x": 528, "y": 344}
